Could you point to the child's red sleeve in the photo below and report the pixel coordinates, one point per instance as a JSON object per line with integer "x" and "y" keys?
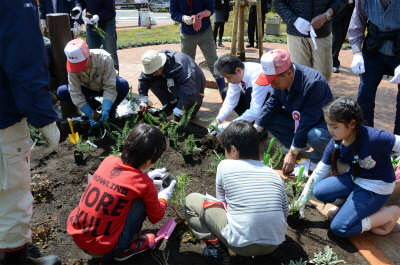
{"x": 155, "y": 208}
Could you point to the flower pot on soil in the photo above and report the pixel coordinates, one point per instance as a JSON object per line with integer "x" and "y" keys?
{"x": 78, "y": 156}
{"x": 188, "y": 158}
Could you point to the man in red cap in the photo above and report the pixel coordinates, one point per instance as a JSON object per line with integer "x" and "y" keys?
{"x": 91, "y": 73}
{"x": 293, "y": 113}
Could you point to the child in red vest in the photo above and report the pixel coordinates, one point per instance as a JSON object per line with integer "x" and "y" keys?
{"x": 107, "y": 222}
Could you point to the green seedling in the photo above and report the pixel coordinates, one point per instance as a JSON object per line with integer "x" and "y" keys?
{"x": 179, "y": 193}
{"x": 36, "y": 135}
{"x": 84, "y": 147}
{"x": 327, "y": 258}
{"x": 296, "y": 262}
{"x": 215, "y": 160}
{"x": 119, "y": 136}
{"x": 297, "y": 188}
{"x": 270, "y": 145}
{"x": 189, "y": 145}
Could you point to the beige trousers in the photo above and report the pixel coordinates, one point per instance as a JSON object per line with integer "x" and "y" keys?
{"x": 207, "y": 223}
{"x": 302, "y": 51}
{"x": 15, "y": 195}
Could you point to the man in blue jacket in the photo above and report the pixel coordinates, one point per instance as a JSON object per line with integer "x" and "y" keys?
{"x": 57, "y": 6}
{"x": 194, "y": 17}
{"x": 294, "y": 111}
{"x": 24, "y": 93}
{"x": 100, "y": 13}
{"x": 175, "y": 79}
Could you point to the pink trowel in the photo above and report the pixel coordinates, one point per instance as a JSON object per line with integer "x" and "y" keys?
{"x": 164, "y": 232}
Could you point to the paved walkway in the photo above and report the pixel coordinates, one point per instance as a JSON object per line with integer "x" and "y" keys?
{"x": 376, "y": 249}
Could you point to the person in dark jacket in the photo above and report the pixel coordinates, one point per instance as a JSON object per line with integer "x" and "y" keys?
{"x": 175, "y": 79}
{"x": 24, "y": 96}
{"x": 293, "y": 113}
{"x": 304, "y": 18}
{"x": 251, "y": 27}
{"x": 56, "y": 6}
{"x": 220, "y": 16}
{"x": 100, "y": 13}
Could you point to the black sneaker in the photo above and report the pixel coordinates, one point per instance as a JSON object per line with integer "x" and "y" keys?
{"x": 250, "y": 45}
{"x": 220, "y": 44}
{"x": 217, "y": 253}
{"x": 335, "y": 69}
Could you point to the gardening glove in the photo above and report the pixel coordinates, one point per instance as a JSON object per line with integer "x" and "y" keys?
{"x": 94, "y": 19}
{"x": 167, "y": 192}
{"x": 258, "y": 128}
{"x": 87, "y": 110}
{"x": 76, "y": 12}
{"x": 213, "y": 127}
{"x": 187, "y": 20}
{"x": 177, "y": 112}
{"x": 43, "y": 24}
{"x": 197, "y": 19}
{"x": 84, "y": 17}
{"x": 358, "y": 64}
{"x": 51, "y": 135}
{"x": 302, "y": 26}
{"x": 105, "y": 109}
{"x": 396, "y": 77}
{"x": 157, "y": 173}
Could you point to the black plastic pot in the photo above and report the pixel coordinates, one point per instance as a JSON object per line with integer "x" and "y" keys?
{"x": 78, "y": 156}
{"x": 188, "y": 158}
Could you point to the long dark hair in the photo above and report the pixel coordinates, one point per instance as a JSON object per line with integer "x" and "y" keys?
{"x": 344, "y": 110}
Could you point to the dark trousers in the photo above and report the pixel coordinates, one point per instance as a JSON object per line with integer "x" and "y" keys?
{"x": 219, "y": 26}
{"x": 160, "y": 89}
{"x": 375, "y": 67}
{"x": 244, "y": 100}
{"x": 252, "y": 26}
{"x": 340, "y": 25}
{"x": 122, "y": 89}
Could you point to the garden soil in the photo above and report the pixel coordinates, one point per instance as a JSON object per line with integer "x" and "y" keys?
{"x": 68, "y": 181}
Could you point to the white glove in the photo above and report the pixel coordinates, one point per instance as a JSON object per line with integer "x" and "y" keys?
{"x": 84, "y": 18}
{"x": 77, "y": 10}
{"x": 43, "y": 24}
{"x": 213, "y": 127}
{"x": 157, "y": 173}
{"x": 396, "y": 77}
{"x": 167, "y": 192}
{"x": 302, "y": 26}
{"x": 258, "y": 128}
{"x": 50, "y": 134}
{"x": 94, "y": 19}
{"x": 187, "y": 20}
{"x": 358, "y": 64}
{"x": 222, "y": 127}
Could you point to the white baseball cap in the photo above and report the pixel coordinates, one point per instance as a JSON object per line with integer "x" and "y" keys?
{"x": 77, "y": 52}
{"x": 152, "y": 61}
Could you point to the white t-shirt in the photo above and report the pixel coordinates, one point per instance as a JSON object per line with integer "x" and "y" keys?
{"x": 257, "y": 205}
{"x": 258, "y": 94}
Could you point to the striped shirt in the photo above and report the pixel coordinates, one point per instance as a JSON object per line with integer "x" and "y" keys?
{"x": 257, "y": 205}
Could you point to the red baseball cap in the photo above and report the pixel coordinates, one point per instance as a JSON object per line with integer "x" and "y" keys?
{"x": 273, "y": 63}
{"x": 77, "y": 52}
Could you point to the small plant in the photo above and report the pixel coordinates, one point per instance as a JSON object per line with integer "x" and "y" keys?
{"x": 43, "y": 232}
{"x": 216, "y": 159}
{"x": 119, "y": 136}
{"x": 296, "y": 262}
{"x": 327, "y": 258}
{"x": 40, "y": 187}
{"x": 179, "y": 193}
{"x": 274, "y": 160}
{"x": 84, "y": 147}
{"x": 189, "y": 145}
{"x": 36, "y": 135}
{"x": 297, "y": 188}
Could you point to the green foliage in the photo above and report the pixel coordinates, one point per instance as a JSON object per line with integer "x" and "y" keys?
{"x": 99, "y": 31}
{"x": 189, "y": 145}
{"x": 118, "y": 135}
{"x": 84, "y": 147}
{"x": 297, "y": 188}
{"x": 327, "y": 258}
{"x": 179, "y": 193}
{"x": 134, "y": 100}
{"x": 395, "y": 162}
{"x": 36, "y": 135}
{"x": 276, "y": 158}
{"x": 297, "y": 262}
{"x": 216, "y": 159}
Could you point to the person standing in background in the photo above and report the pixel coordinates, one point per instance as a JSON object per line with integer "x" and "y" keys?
{"x": 221, "y": 15}
{"x": 340, "y": 25}
{"x": 265, "y": 7}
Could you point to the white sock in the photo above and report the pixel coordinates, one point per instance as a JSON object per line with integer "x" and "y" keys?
{"x": 365, "y": 224}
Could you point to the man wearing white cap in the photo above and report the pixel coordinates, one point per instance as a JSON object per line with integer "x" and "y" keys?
{"x": 293, "y": 113}
{"x": 91, "y": 73}
{"x": 175, "y": 79}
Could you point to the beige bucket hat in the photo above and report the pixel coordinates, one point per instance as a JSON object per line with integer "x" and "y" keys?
{"x": 152, "y": 61}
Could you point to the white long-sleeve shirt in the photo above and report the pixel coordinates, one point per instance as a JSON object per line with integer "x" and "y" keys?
{"x": 258, "y": 94}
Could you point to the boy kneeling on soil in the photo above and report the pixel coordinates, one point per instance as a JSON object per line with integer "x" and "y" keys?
{"x": 250, "y": 216}
{"x": 107, "y": 222}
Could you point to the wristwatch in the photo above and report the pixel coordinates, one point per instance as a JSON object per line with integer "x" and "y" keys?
{"x": 328, "y": 16}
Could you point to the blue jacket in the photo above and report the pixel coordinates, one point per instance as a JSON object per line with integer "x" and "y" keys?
{"x": 178, "y": 8}
{"x": 24, "y": 76}
{"x": 63, "y": 6}
{"x": 105, "y": 9}
{"x": 188, "y": 78}
{"x": 308, "y": 93}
